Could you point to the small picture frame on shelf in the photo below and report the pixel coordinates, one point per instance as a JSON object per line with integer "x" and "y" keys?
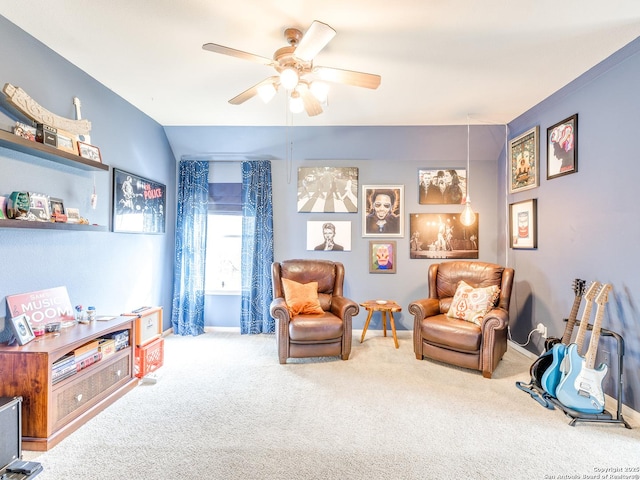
{"x": 39, "y": 207}
{"x": 73, "y": 215}
{"x": 57, "y": 210}
{"x": 22, "y": 330}
{"x": 90, "y": 152}
{"x": 66, "y": 142}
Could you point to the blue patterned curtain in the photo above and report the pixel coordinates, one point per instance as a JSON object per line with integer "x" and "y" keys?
{"x": 257, "y": 248}
{"x": 191, "y": 241}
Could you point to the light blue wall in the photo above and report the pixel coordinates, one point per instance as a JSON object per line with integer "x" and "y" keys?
{"x": 384, "y": 155}
{"x": 114, "y": 272}
{"x": 589, "y": 221}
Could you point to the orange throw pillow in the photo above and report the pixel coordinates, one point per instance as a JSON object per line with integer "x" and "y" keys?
{"x": 301, "y": 298}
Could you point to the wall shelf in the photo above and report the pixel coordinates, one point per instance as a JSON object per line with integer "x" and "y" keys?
{"x": 10, "y": 223}
{"x": 47, "y": 152}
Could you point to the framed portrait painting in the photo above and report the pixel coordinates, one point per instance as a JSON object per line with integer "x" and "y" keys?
{"x": 382, "y": 256}
{"x": 329, "y": 236}
{"x": 328, "y": 189}
{"x": 442, "y": 186}
{"x": 138, "y": 204}
{"x": 441, "y": 235}
{"x": 523, "y": 224}
{"x": 562, "y": 148}
{"x": 524, "y": 161}
{"x": 383, "y": 213}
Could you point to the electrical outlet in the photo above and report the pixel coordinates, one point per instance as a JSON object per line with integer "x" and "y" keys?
{"x": 542, "y": 330}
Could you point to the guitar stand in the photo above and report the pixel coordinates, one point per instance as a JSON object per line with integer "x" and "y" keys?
{"x": 605, "y": 416}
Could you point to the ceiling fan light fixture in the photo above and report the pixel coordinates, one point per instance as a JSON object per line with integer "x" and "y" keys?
{"x": 267, "y": 92}
{"x": 289, "y": 78}
{"x": 320, "y": 90}
{"x": 296, "y": 104}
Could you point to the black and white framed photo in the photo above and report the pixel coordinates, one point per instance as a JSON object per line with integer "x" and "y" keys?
{"x": 524, "y": 158}
{"x": 138, "y": 204}
{"x": 329, "y": 235}
{"x": 22, "y": 330}
{"x": 441, "y": 235}
{"x": 562, "y": 148}
{"x": 89, "y": 152}
{"x": 523, "y": 224}
{"x": 328, "y": 189}
{"x": 383, "y": 213}
{"x": 442, "y": 186}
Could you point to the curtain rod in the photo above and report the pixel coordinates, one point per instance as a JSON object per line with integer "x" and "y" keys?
{"x": 225, "y": 157}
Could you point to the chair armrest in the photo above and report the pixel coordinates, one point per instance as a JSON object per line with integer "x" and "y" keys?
{"x": 279, "y": 310}
{"x": 495, "y": 319}
{"x": 423, "y": 308}
{"x": 344, "y": 308}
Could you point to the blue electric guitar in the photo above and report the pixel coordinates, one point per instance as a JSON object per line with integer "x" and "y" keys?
{"x": 551, "y": 376}
{"x": 581, "y": 387}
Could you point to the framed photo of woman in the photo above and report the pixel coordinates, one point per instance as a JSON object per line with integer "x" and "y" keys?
{"x": 383, "y": 214}
{"x": 562, "y": 148}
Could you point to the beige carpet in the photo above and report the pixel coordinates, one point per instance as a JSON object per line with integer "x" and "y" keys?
{"x": 224, "y": 408}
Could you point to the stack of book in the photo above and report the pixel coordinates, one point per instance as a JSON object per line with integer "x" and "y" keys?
{"x": 87, "y": 354}
{"x": 63, "y": 368}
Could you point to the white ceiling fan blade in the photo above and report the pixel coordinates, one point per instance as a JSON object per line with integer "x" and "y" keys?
{"x": 253, "y": 91}
{"x": 349, "y": 77}
{"x": 315, "y": 39}
{"x": 311, "y": 103}
{"x": 232, "y": 52}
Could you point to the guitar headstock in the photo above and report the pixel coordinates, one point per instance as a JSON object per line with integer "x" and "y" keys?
{"x": 76, "y": 102}
{"x": 603, "y": 295}
{"x": 592, "y": 291}
{"x": 579, "y": 287}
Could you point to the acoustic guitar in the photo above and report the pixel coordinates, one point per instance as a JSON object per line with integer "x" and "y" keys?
{"x": 581, "y": 387}
{"x": 551, "y": 376}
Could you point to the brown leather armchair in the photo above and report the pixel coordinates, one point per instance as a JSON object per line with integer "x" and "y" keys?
{"x": 459, "y": 342}
{"x": 315, "y": 335}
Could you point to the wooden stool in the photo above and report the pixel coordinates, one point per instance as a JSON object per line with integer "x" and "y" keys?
{"x": 383, "y": 306}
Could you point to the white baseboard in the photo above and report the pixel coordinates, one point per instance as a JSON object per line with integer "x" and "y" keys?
{"x": 630, "y": 415}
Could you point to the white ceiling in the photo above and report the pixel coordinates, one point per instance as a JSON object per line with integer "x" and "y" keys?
{"x": 440, "y": 60}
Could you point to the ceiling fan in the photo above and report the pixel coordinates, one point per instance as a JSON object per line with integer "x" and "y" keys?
{"x": 296, "y": 71}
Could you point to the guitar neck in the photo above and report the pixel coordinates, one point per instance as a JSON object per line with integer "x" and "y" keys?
{"x": 568, "y": 331}
{"x": 601, "y": 300}
{"x": 584, "y": 323}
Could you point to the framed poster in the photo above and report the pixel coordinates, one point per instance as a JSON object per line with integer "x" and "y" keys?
{"x": 383, "y": 212}
{"x": 328, "y": 189}
{"x": 441, "y": 235}
{"x": 441, "y": 186}
{"x": 382, "y": 256}
{"x": 329, "y": 236}
{"x": 562, "y": 148}
{"x": 138, "y": 204}
{"x": 523, "y": 224}
{"x": 524, "y": 161}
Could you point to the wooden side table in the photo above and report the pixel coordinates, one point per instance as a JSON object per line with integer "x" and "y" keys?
{"x": 383, "y": 306}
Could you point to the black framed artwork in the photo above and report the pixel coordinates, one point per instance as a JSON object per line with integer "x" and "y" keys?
{"x": 138, "y": 204}
{"x": 562, "y": 148}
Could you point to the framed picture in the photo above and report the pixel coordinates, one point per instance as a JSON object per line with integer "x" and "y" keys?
{"x": 328, "y": 189}
{"x": 441, "y": 235}
{"x": 441, "y": 186}
{"x": 382, "y": 256}
{"x": 138, "y": 204}
{"x": 39, "y": 207}
{"x": 57, "y": 206}
{"x": 329, "y": 236}
{"x": 524, "y": 158}
{"x": 22, "y": 330}
{"x": 89, "y": 152}
{"x": 73, "y": 215}
{"x": 383, "y": 213}
{"x": 66, "y": 142}
{"x": 523, "y": 224}
{"x": 562, "y": 148}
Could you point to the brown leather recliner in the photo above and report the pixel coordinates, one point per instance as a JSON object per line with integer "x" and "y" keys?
{"x": 459, "y": 342}
{"x": 315, "y": 335}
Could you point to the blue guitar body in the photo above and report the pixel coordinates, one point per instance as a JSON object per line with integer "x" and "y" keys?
{"x": 581, "y": 388}
{"x": 552, "y": 375}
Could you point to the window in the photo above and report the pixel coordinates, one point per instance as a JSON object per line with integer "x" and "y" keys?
{"x": 224, "y": 239}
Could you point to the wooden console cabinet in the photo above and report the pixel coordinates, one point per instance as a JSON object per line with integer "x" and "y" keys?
{"x": 52, "y": 412}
